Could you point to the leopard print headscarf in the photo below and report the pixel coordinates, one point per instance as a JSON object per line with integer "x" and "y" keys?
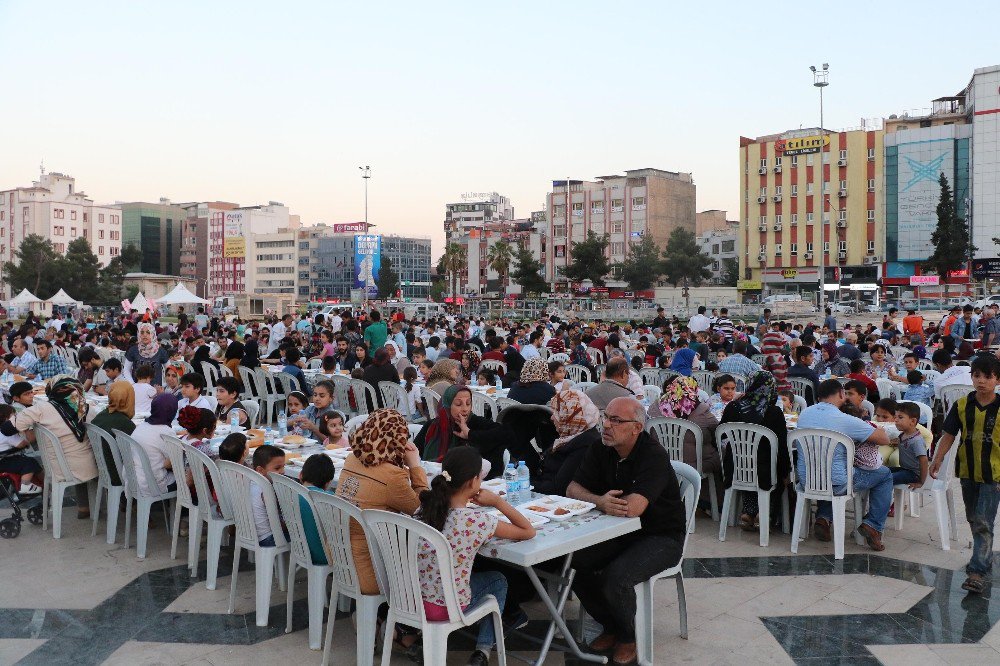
{"x": 381, "y": 438}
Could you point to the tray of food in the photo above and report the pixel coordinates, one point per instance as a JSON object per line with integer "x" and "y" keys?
{"x": 294, "y": 442}
{"x": 535, "y": 519}
{"x": 555, "y": 507}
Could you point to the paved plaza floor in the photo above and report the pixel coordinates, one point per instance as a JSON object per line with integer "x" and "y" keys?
{"x": 79, "y": 601}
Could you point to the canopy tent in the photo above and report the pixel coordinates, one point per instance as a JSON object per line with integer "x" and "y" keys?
{"x": 139, "y": 303}
{"x": 181, "y": 295}
{"x": 62, "y": 298}
{"x": 24, "y": 298}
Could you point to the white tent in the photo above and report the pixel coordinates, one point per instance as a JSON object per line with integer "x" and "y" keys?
{"x": 181, "y": 295}
{"x": 139, "y": 303}
{"x": 62, "y": 298}
{"x": 24, "y": 298}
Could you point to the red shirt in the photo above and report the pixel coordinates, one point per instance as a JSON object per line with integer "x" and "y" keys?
{"x": 866, "y": 380}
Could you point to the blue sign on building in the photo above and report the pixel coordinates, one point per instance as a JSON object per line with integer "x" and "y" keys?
{"x": 367, "y": 261}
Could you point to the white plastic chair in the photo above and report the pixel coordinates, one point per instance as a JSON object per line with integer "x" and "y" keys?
{"x": 253, "y": 412}
{"x": 143, "y": 495}
{"x": 650, "y": 376}
{"x": 888, "y": 389}
{"x": 652, "y": 393}
{"x": 353, "y": 424}
{"x": 175, "y": 450}
{"x": 760, "y": 359}
{"x": 690, "y": 485}
{"x": 432, "y": 400}
{"x": 496, "y": 366}
{"x": 342, "y": 393}
{"x": 504, "y": 403}
{"x": 577, "y": 373}
{"x": 364, "y": 394}
{"x": 333, "y": 518}
{"x": 951, "y": 393}
{"x": 744, "y": 439}
{"x": 670, "y": 433}
{"x": 798, "y": 403}
{"x": 272, "y": 399}
{"x": 286, "y": 383}
{"x": 596, "y": 355}
{"x": 480, "y": 401}
{"x": 252, "y": 391}
{"x": 400, "y": 536}
{"x": 940, "y": 491}
{"x": 817, "y": 448}
{"x": 415, "y": 429}
{"x": 211, "y": 376}
{"x": 100, "y": 438}
{"x": 802, "y": 387}
{"x": 544, "y": 352}
{"x": 394, "y": 397}
{"x": 53, "y": 492}
{"x": 217, "y": 515}
{"x": 314, "y": 364}
{"x": 584, "y": 386}
{"x": 741, "y": 382}
{"x": 704, "y": 378}
{"x": 237, "y": 482}
{"x": 926, "y": 414}
{"x": 289, "y": 494}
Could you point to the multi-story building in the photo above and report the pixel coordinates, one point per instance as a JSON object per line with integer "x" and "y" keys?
{"x": 155, "y": 229}
{"x": 476, "y": 210}
{"x": 336, "y": 270}
{"x": 55, "y": 210}
{"x": 810, "y": 198}
{"x": 227, "y": 236}
{"x": 272, "y": 263}
{"x": 479, "y": 278}
{"x": 307, "y": 262}
{"x": 194, "y": 254}
{"x": 719, "y": 243}
{"x": 642, "y": 202}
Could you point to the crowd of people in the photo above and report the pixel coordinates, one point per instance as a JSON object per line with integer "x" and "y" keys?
{"x": 594, "y": 447}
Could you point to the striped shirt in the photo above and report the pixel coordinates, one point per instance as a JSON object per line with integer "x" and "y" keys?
{"x": 978, "y": 455}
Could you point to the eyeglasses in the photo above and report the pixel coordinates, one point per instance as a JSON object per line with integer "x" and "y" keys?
{"x": 616, "y": 421}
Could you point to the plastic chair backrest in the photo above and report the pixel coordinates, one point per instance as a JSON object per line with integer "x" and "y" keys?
{"x": 128, "y": 476}
{"x": 211, "y": 373}
{"x": 690, "y": 482}
{"x": 253, "y": 411}
{"x": 249, "y": 380}
{"x": 495, "y": 365}
{"x": 432, "y": 399}
{"x": 333, "y": 517}
{"x": 341, "y": 391}
{"x": 394, "y": 397}
{"x": 205, "y": 475}
{"x": 799, "y": 403}
{"x": 759, "y": 359}
{"x": 744, "y": 439}
{"x": 99, "y": 438}
{"x": 817, "y": 448}
{"x": 584, "y": 386}
{"x": 651, "y": 392}
{"x": 237, "y": 483}
{"x": 924, "y": 366}
{"x": 577, "y": 373}
{"x": 286, "y": 383}
{"x": 802, "y": 387}
{"x": 671, "y": 433}
{"x": 288, "y": 493}
{"x": 544, "y": 352}
{"x": 947, "y": 471}
{"x": 704, "y": 378}
{"x": 224, "y": 371}
{"x": 52, "y": 449}
{"x": 398, "y": 538}
{"x": 949, "y": 394}
{"x": 175, "y": 450}
{"x": 353, "y": 424}
{"x": 650, "y": 376}
{"x": 886, "y": 389}
{"x": 135, "y": 451}
{"x": 480, "y": 401}
{"x": 265, "y": 381}
{"x": 363, "y": 393}
{"x": 926, "y": 413}
{"x": 596, "y": 357}
{"x": 506, "y": 403}
{"x": 741, "y": 382}
{"x": 415, "y": 429}
{"x": 314, "y": 364}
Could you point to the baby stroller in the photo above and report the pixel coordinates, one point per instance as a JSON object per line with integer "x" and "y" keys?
{"x": 10, "y": 528}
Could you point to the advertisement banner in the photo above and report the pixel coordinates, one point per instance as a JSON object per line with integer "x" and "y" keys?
{"x": 350, "y": 228}
{"x": 367, "y": 261}
{"x": 924, "y": 280}
{"x": 233, "y": 237}
{"x": 920, "y": 165}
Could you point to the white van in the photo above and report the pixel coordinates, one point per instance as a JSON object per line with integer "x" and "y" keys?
{"x": 424, "y": 310}
{"x": 781, "y": 298}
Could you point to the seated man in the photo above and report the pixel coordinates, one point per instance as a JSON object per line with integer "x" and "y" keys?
{"x": 628, "y": 473}
{"x": 869, "y": 472}
{"x": 614, "y": 385}
{"x": 803, "y": 368}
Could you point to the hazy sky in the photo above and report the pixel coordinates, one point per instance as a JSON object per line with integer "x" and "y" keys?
{"x": 256, "y": 101}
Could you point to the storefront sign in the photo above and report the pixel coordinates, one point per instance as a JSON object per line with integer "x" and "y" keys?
{"x": 790, "y": 273}
{"x": 802, "y": 145}
{"x": 924, "y": 280}
{"x": 863, "y": 286}
{"x": 749, "y": 285}
{"x": 351, "y": 228}
{"x": 986, "y": 269}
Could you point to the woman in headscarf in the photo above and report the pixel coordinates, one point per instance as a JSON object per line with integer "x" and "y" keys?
{"x": 117, "y": 416}
{"x": 396, "y": 357}
{"x": 680, "y": 400}
{"x": 456, "y": 425}
{"x": 381, "y": 370}
{"x": 251, "y": 351}
{"x": 759, "y": 405}
{"x": 575, "y": 418}
{"x": 203, "y": 355}
{"x": 147, "y": 351}
{"x": 148, "y": 434}
{"x": 65, "y": 415}
{"x": 471, "y": 358}
{"x": 533, "y": 387}
{"x": 882, "y": 361}
{"x": 832, "y": 361}
{"x": 445, "y": 373}
{"x": 172, "y": 378}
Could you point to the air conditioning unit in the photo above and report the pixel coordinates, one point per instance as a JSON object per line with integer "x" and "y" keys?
{"x": 777, "y": 252}
{"x": 777, "y": 227}
{"x": 842, "y": 162}
{"x": 842, "y": 224}
{"x": 777, "y": 198}
{"x": 777, "y": 169}
{"x": 808, "y": 256}
{"x": 762, "y": 171}
{"x": 761, "y": 199}
{"x": 871, "y": 189}
{"x": 762, "y": 227}
{"x": 761, "y": 257}
{"x": 842, "y": 193}
{"x": 874, "y": 259}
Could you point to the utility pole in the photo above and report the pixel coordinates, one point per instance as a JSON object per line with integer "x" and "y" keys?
{"x": 821, "y": 80}
{"x": 366, "y": 173}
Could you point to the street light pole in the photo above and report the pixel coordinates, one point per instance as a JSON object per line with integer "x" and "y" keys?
{"x": 366, "y": 173}
{"x": 821, "y": 80}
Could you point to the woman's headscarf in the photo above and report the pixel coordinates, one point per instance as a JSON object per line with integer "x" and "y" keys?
{"x": 534, "y": 370}
{"x": 162, "y": 410}
{"x": 251, "y": 354}
{"x": 442, "y": 371}
{"x": 761, "y": 395}
{"x": 177, "y": 366}
{"x": 830, "y": 348}
{"x": 395, "y": 348}
{"x": 573, "y": 413}
{"x": 381, "y": 438}
{"x": 439, "y": 433}
{"x": 66, "y": 395}
{"x": 202, "y": 354}
{"x": 679, "y": 398}
{"x": 475, "y": 358}
{"x": 153, "y": 348}
{"x": 121, "y": 398}
{"x": 884, "y": 344}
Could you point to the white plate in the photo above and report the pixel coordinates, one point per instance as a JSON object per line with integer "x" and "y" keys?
{"x": 280, "y": 443}
{"x": 548, "y": 504}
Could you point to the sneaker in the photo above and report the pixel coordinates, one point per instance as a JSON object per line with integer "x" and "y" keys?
{"x": 514, "y": 621}
{"x": 29, "y": 489}
{"x": 479, "y": 658}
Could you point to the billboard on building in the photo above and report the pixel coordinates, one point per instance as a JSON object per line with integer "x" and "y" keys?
{"x": 350, "y": 228}
{"x": 367, "y": 261}
{"x": 920, "y": 165}
{"x": 234, "y": 244}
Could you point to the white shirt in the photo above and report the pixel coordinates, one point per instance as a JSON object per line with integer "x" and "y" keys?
{"x": 55, "y": 323}
{"x": 960, "y": 375}
{"x": 278, "y": 332}
{"x": 8, "y": 442}
{"x": 148, "y": 437}
{"x": 698, "y": 323}
{"x": 203, "y": 402}
{"x": 144, "y": 394}
{"x": 335, "y": 323}
{"x": 529, "y": 352}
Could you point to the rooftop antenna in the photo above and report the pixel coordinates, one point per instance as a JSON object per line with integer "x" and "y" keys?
{"x": 42, "y": 166}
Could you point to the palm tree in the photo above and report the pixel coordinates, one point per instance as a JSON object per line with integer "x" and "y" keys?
{"x": 499, "y": 258}
{"x": 453, "y": 262}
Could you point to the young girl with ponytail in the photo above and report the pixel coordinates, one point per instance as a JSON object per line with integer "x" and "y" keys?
{"x": 444, "y": 507}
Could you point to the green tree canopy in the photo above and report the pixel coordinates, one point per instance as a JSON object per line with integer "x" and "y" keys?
{"x": 452, "y": 263}
{"x": 499, "y": 257}
{"x": 80, "y": 270}
{"x": 641, "y": 268}
{"x": 388, "y": 279}
{"x": 952, "y": 245}
{"x": 528, "y": 273}
{"x": 112, "y": 280}
{"x": 589, "y": 260}
{"x": 34, "y": 267}
{"x": 730, "y": 272}
{"x": 683, "y": 261}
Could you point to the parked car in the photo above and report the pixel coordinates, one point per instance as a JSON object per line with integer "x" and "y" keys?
{"x": 989, "y": 300}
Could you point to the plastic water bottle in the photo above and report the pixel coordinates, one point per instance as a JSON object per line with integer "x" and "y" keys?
{"x": 282, "y": 424}
{"x": 523, "y": 483}
{"x": 234, "y": 421}
{"x": 499, "y": 383}
{"x": 337, "y": 369}
{"x": 511, "y": 483}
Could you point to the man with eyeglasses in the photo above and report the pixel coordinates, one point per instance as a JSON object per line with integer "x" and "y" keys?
{"x": 626, "y": 474}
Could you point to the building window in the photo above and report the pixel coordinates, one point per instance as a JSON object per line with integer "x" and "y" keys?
{"x": 809, "y": 159}
{"x": 871, "y": 184}
{"x": 843, "y": 154}
{"x": 777, "y": 249}
{"x": 826, "y": 186}
{"x": 763, "y": 163}
{"x": 809, "y": 188}
{"x": 843, "y": 184}
{"x": 809, "y": 247}
{"x": 795, "y": 190}
{"x": 100, "y": 250}
{"x": 559, "y": 230}
{"x": 842, "y": 214}
{"x": 871, "y": 215}
{"x": 616, "y": 227}
{"x": 826, "y": 247}
{"x": 842, "y": 246}
{"x": 871, "y": 247}
{"x": 100, "y": 218}
{"x": 763, "y": 191}
{"x": 871, "y": 154}
{"x": 24, "y": 213}
{"x": 777, "y": 190}
{"x": 72, "y": 215}
{"x": 795, "y": 160}
{"x": 72, "y": 232}
{"x": 777, "y": 160}
{"x": 597, "y": 206}
{"x": 777, "y": 219}
{"x": 58, "y": 213}
{"x": 638, "y": 203}
{"x": 728, "y": 246}
{"x": 617, "y": 248}
{"x": 763, "y": 219}
{"x": 795, "y": 218}
{"x": 793, "y": 249}
{"x": 617, "y": 205}
{"x": 809, "y": 218}
{"x": 578, "y": 210}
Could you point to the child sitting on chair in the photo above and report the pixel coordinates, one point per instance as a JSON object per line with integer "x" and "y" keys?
{"x": 266, "y": 459}
{"x": 912, "y": 452}
{"x": 335, "y": 427}
{"x": 12, "y": 458}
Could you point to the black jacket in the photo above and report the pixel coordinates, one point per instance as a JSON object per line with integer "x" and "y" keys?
{"x": 559, "y": 466}
{"x": 488, "y": 437}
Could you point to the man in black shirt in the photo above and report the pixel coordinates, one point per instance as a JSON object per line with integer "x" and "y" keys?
{"x": 628, "y": 474}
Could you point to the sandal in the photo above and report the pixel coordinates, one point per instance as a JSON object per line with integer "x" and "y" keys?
{"x": 749, "y": 523}
{"x": 974, "y": 583}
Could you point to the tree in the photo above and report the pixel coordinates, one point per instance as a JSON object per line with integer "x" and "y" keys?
{"x": 499, "y": 258}
{"x": 452, "y": 263}
{"x": 528, "y": 273}
{"x": 112, "y": 280}
{"x": 640, "y": 268}
{"x": 34, "y": 268}
{"x": 684, "y": 262}
{"x": 590, "y": 261}
{"x": 952, "y": 245}
{"x": 80, "y": 269}
{"x": 388, "y": 279}
{"x": 730, "y": 272}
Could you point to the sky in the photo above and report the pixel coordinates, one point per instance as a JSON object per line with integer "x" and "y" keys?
{"x": 282, "y": 101}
